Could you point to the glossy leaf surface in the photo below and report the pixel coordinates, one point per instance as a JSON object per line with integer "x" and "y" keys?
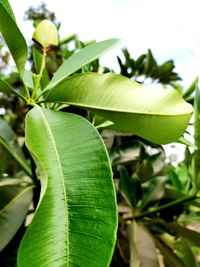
{"x": 12, "y": 35}
{"x": 160, "y": 116}
{"x": 75, "y": 223}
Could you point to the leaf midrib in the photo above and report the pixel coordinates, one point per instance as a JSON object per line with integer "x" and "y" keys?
{"x": 125, "y": 111}
{"x": 61, "y": 176}
{"x": 7, "y": 206}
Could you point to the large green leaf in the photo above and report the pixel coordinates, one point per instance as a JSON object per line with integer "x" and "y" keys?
{"x": 158, "y": 115}
{"x": 14, "y": 203}
{"x": 142, "y": 249}
{"x": 80, "y": 59}
{"x": 12, "y": 35}
{"x": 75, "y": 223}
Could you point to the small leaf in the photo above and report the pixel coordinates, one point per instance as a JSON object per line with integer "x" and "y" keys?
{"x": 8, "y": 135}
{"x": 80, "y": 59}
{"x": 14, "y": 204}
{"x": 142, "y": 248}
{"x": 129, "y": 187}
{"x": 8, "y": 141}
{"x": 28, "y": 79}
{"x": 191, "y": 88}
{"x": 6, "y": 88}
{"x": 170, "y": 258}
{"x": 183, "y": 249}
{"x": 154, "y": 191}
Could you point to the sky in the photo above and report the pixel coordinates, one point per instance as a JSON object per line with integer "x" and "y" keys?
{"x": 169, "y": 28}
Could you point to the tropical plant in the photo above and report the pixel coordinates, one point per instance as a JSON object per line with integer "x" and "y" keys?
{"x": 145, "y": 66}
{"x": 64, "y": 160}
{"x": 158, "y": 203}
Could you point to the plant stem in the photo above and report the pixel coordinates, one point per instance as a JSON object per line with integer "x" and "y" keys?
{"x": 26, "y": 90}
{"x": 40, "y": 73}
{"x": 164, "y": 207}
{"x": 24, "y": 167}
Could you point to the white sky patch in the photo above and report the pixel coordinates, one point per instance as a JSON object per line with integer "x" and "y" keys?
{"x": 170, "y": 28}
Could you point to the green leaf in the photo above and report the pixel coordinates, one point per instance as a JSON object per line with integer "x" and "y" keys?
{"x": 142, "y": 248}
{"x": 185, "y": 252}
{"x": 8, "y": 141}
{"x": 129, "y": 187}
{"x": 28, "y": 79}
{"x": 80, "y": 59}
{"x": 12, "y": 36}
{"x": 160, "y": 116}
{"x": 153, "y": 191}
{"x": 170, "y": 257}
{"x": 6, "y": 88}
{"x": 190, "y": 235}
{"x": 191, "y": 88}
{"x": 184, "y": 141}
{"x": 14, "y": 205}
{"x": 75, "y": 223}
{"x": 8, "y": 8}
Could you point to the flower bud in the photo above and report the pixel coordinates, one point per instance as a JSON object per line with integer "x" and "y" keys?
{"x": 46, "y": 35}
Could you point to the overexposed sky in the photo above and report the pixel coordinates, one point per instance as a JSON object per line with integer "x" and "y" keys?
{"x": 170, "y": 28}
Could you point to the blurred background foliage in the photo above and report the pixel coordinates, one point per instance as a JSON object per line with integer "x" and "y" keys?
{"x": 159, "y": 212}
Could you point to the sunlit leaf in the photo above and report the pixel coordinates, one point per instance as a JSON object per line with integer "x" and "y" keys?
{"x": 6, "y": 88}
{"x": 153, "y": 191}
{"x": 184, "y": 251}
{"x": 158, "y": 115}
{"x": 28, "y": 79}
{"x": 80, "y": 59}
{"x": 129, "y": 187}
